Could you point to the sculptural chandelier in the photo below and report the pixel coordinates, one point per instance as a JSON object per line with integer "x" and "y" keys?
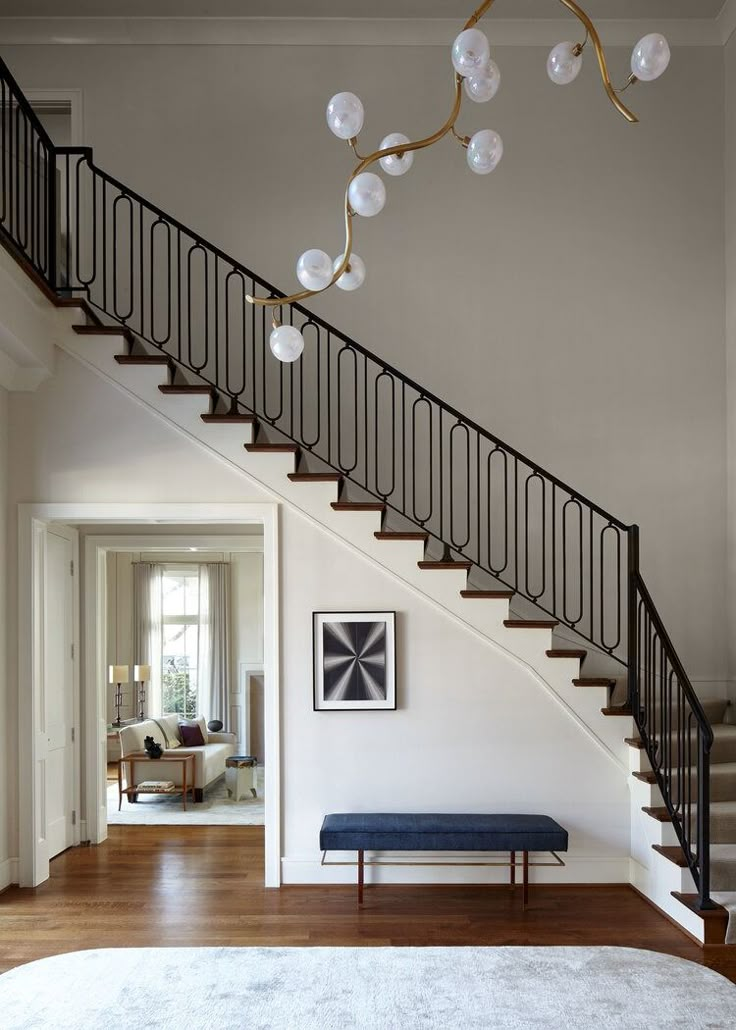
{"x": 476, "y": 76}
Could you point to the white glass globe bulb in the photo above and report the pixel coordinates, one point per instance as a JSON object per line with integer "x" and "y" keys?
{"x": 314, "y": 270}
{"x": 286, "y": 343}
{"x": 367, "y": 194}
{"x": 485, "y": 150}
{"x": 345, "y": 115}
{"x": 354, "y": 274}
{"x": 563, "y": 64}
{"x": 484, "y": 85}
{"x": 393, "y": 164}
{"x": 470, "y": 52}
{"x": 650, "y": 57}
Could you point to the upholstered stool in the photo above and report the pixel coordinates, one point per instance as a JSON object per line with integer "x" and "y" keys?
{"x": 240, "y": 776}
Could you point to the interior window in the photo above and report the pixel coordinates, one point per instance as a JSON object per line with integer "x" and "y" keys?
{"x": 180, "y": 641}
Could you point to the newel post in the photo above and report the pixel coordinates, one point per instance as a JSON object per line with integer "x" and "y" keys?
{"x": 52, "y": 217}
{"x": 633, "y": 619}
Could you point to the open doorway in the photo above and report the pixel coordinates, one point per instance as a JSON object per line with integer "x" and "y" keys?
{"x": 246, "y": 533}
{"x": 183, "y": 631}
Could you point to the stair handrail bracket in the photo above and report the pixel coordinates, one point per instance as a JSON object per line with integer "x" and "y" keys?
{"x": 82, "y": 232}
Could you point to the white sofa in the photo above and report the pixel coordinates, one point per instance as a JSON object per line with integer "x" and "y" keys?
{"x": 209, "y": 760}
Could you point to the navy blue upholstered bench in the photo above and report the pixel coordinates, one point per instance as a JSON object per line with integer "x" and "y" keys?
{"x": 396, "y": 831}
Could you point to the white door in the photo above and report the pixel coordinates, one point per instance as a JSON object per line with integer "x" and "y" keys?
{"x": 58, "y": 691}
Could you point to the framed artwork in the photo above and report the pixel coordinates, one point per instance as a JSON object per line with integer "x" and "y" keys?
{"x": 354, "y": 661}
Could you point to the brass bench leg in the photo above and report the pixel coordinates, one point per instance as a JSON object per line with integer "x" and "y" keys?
{"x": 512, "y": 870}
{"x": 525, "y": 884}
{"x": 360, "y": 877}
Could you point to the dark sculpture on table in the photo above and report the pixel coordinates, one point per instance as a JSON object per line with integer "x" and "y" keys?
{"x": 153, "y": 748}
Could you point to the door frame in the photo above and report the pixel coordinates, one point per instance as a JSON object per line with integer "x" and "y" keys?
{"x": 32, "y": 520}
{"x": 33, "y": 864}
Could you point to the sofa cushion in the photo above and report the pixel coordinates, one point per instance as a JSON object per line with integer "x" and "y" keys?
{"x": 199, "y": 721}
{"x": 191, "y": 736}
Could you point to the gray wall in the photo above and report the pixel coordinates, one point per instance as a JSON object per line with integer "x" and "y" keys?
{"x": 572, "y": 302}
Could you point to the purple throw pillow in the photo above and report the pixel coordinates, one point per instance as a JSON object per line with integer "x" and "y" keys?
{"x": 191, "y": 736}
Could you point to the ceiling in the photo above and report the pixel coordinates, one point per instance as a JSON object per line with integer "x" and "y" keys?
{"x": 455, "y": 9}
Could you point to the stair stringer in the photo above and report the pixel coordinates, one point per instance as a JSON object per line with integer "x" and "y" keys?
{"x": 653, "y": 875}
{"x": 399, "y": 558}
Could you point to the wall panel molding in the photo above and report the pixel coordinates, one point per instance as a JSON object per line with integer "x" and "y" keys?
{"x": 388, "y": 32}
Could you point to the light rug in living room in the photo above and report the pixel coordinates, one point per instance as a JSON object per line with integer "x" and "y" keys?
{"x": 217, "y": 809}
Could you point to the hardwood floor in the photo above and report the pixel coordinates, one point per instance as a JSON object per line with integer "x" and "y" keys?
{"x": 203, "y": 885}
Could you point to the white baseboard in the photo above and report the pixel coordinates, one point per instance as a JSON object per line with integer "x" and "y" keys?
{"x": 582, "y": 869}
{"x": 8, "y": 872}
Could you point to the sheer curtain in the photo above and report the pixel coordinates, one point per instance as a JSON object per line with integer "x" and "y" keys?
{"x": 214, "y": 639}
{"x": 147, "y": 619}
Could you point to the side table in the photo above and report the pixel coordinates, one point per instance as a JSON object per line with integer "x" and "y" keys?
{"x": 131, "y": 790}
{"x": 240, "y": 776}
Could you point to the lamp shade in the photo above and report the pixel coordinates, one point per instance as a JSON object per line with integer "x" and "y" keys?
{"x": 141, "y": 672}
{"x": 118, "y": 674}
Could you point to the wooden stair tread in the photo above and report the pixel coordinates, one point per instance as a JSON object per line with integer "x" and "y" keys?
{"x": 143, "y": 359}
{"x": 718, "y": 912}
{"x": 624, "y": 710}
{"x": 265, "y": 448}
{"x": 530, "y": 623}
{"x": 187, "y": 388}
{"x": 358, "y": 506}
{"x": 314, "y": 477}
{"x": 634, "y": 742}
{"x": 385, "y": 534}
{"x": 715, "y": 920}
{"x": 645, "y": 777}
{"x": 566, "y": 652}
{"x": 593, "y": 681}
{"x": 229, "y": 418}
{"x": 660, "y": 814}
{"x": 103, "y": 330}
{"x": 672, "y": 852}
{"x": 480, "y": 595}
{"x": 462, "y": 566}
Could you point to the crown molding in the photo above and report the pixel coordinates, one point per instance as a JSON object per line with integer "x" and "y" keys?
{"x": 726, "y": 20}
{"x": 343, "y": 31}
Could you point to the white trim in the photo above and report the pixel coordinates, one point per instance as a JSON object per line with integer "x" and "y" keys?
{"x": 726, "y": 20}
{"x": 8, "y": 872}
{"x": 71, "y": 100}
{"x": 334, "y": 31}
{"x": 33, "y": 518}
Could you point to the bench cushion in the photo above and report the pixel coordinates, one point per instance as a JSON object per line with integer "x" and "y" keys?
{"x": 395, "y": 831}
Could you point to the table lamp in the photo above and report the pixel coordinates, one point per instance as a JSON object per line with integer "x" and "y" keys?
{"x": 141, "y": 675}
{"x": 118, "y": 674}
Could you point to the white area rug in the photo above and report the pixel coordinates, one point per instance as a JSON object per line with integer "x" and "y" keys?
{"x": 216, "y": 809}
{"x": 366, "y": 988}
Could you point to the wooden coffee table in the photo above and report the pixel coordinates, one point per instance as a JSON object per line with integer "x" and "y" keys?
{"x": 187, "y": 783}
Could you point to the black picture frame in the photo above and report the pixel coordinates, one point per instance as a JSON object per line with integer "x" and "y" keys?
{"x": 354, "y": 661}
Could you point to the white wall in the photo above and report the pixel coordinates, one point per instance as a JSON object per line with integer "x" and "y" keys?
{"x": 572, "y": 302}
{"x": 473, "y": 730}
{"x": 730, "y": 250}
{"x": 8, "y": 773}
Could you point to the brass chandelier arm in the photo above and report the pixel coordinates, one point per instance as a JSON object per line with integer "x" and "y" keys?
{"x": 600, "y": 54}
{"x": 428, "y": 141}
{"x": 363, "y": 163}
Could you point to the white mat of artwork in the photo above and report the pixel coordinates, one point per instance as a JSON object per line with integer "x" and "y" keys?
{"x": 366, "y": 989}
{"x": 216, "y": 809}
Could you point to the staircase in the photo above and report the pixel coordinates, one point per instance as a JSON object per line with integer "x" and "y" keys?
{"x": 501, "y": 544}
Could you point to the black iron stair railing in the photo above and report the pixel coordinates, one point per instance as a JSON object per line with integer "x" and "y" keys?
{"x": 85, "y": 232}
